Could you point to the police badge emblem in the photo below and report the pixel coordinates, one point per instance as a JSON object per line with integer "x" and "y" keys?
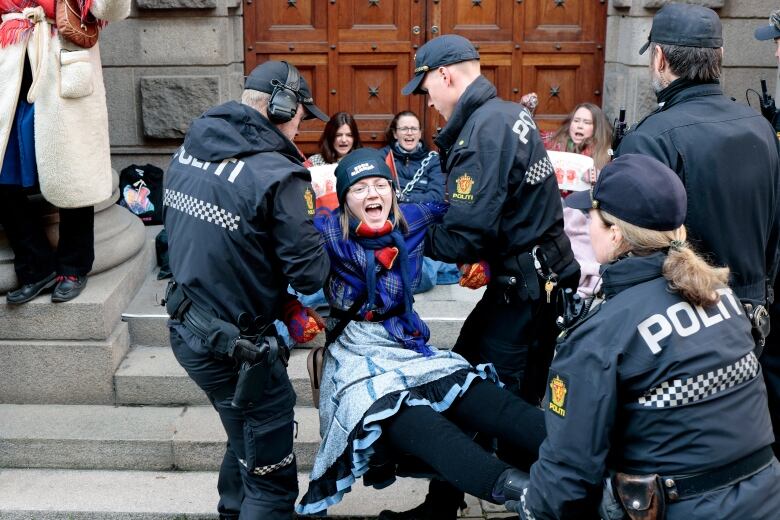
{"x": 558, "y": 391}
{"x": 463, "y": 185}
{"x": 308, "y": 196}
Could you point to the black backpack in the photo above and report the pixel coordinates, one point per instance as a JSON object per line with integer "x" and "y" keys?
{"x": 140, "y": 191}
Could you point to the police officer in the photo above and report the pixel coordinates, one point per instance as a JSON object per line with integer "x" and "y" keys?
{"x": 238, "y": 211}
{"x": 771, "y": 32}
{"x": 659, "y": 384}
{"x": 770, "y": 360}
{"x": 505, "y": 219}
{"x": 725, "y": 153}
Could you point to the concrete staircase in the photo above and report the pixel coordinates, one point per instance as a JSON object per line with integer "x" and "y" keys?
{"x": 152, "y": 449}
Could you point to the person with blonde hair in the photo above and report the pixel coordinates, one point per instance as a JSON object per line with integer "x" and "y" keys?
{"x": 658, "y": 386}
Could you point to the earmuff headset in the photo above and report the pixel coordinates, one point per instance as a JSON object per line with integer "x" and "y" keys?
{"x": 284, "y": 99}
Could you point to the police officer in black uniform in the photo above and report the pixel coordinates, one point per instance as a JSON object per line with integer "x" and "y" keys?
{"x": 505, "y": 219}
{"x": 725, "y": 153}
{"x": 659, "y": 384}
{"x": 238, "y": 208}
{"x": 770, "y": 359}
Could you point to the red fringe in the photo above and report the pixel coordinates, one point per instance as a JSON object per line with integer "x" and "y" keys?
{"x": 14, "y": 31}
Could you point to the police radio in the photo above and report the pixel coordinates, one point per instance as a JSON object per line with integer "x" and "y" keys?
{"x": 619, "y": 130}
{"x": 768, "y": 109}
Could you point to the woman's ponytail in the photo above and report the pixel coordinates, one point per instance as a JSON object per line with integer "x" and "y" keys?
{"x": 692, "y": 277}
{"x": 687, "y": 273}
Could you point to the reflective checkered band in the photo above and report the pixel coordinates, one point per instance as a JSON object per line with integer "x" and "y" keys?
{"x": 526, "y": 511}
{"x": 542, "y": 169}
{"x": 678, "y": 392}
{"x": 201, "y": 209}
{"x": 265, "y": 470}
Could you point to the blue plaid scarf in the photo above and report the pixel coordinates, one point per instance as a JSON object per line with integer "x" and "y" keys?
{"x": 388, "y": 290}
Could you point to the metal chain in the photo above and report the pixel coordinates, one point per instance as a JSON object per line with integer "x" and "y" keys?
{"x": 417, "y": 175}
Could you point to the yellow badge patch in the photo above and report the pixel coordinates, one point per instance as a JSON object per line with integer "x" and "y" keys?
{"x": 308, "y": 196}
{"x": 463, "y": 185}
{"x": 558, "y": 391}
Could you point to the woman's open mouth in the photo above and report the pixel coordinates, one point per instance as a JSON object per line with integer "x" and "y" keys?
{"x": 373, "y": 210}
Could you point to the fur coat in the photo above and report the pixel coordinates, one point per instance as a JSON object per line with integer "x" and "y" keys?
{"x": 71, "y": 121}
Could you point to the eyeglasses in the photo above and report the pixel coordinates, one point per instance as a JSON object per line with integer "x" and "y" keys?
{"x": 361, "y": 191}
{"x": 408, "y": 129}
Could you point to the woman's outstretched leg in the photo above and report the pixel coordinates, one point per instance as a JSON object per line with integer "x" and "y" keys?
{"x": 426, "y": 434}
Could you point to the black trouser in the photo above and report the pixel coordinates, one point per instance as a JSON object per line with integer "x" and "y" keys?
{"x": 252, "y": 482}
{"x": 434, "y": 438}
{"x": 34, "y": 258}
{"x": 517, "y": 336}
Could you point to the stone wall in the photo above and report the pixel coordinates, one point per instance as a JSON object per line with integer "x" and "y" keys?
{"x": 163, "y": 66}
{"x": 172, "y": 59}
{"x": 746, "y": 60}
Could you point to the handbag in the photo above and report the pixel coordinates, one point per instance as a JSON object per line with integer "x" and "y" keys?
{"x": 80, "y": 30}
{"x": 316, "y": 358}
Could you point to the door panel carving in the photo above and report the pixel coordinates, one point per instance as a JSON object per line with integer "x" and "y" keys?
{"x": 358, "y": 54}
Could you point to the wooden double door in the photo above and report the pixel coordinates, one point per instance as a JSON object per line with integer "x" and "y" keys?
{"x": 358, "y": 54}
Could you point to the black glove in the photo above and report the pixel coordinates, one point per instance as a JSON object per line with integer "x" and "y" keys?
{"x": 245, "y": 350}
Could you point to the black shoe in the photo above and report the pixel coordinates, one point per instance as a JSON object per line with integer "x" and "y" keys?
{"x": 68, "y": 287}
{"x": 29, "y": 291}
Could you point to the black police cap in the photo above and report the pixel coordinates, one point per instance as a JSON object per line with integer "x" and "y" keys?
{"x": 771, "y": 31}
{"x": 261, "y": 77}
{"x": 441, "y": 51}
{"x": 687, "y": 26}
{"x": 639, "y": 190}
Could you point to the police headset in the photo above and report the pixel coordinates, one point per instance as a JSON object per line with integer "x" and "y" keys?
{"x": 283, "y": 104}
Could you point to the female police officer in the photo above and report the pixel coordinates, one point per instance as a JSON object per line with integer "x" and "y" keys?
{"x": 658, "y": 386}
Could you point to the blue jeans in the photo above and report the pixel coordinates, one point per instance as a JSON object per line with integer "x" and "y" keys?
{"x": 252, "y": 482}
{"x": 435, "y": 273}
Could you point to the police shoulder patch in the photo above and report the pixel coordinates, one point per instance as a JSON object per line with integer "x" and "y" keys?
{"x": 308, "y": 197}
{"x": 464, "y": 184}
{"x": 559, "y": 388}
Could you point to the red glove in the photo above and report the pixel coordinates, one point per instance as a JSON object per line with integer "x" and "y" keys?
{"x": 474, "y": 276}
{"x": 303, "y": 323}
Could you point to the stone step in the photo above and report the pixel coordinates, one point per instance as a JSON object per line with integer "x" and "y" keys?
{"x": 68, "y": 352}
{"x": 44, "y": 494}
{"x": 63, "y": 494}
{"x": 444, "y": 308}
{"x": 187, "y": 438}
{"x": 152, "y": 376}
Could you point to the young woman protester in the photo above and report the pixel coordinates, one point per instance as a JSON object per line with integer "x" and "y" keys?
{"x": 385, "y": 392}
{"x": 585, "y": 131}
{"x": 340, "y": 137}
{"x": 420, "y": 179}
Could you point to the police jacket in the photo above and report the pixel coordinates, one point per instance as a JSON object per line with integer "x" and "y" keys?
{"x": 501, "y": 186}
{"x": 727, "y": 156}
{"x": 429, "y": 187}
{"x": 647, "y": 383}
{"x": 238, "y": 211}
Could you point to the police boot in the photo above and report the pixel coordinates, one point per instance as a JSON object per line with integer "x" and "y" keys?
{"x": 441, "y": 503}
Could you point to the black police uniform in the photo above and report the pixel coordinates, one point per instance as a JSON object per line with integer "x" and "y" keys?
{"x": 727, "y": 156}
{"x": 504, "y": 201}
{"x": 649, "y": 383}
{"x": 238, "y": 211}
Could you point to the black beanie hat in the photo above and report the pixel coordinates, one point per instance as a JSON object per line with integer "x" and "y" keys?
{"x": 357, "y": 165}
